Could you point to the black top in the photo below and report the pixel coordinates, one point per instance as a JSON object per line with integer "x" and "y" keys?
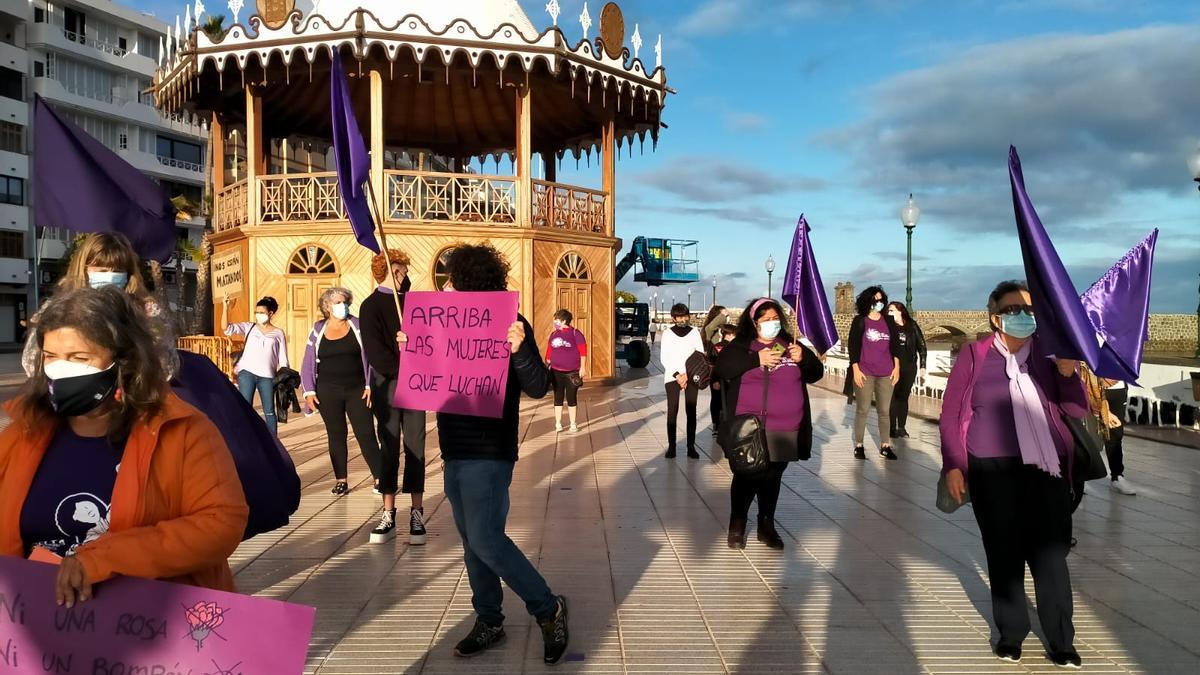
{"x": 469, "y": 437}
{"x": 913, "y": 353}
{"x": 339, "y": 362}
{"x": 379, "y": 322}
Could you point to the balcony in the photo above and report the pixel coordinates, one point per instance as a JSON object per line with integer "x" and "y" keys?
{"x": 14, "y": 218}
{"x": 15, "y": 8}
{"x": 14, "y": 271}
{"x": 56, "y": 37}
{"x": 418, "y": 198}
{"x": 163, "y": 167}
{"x": 14, "y": 111}
{"x": 13, "y": 164}
{"x": 13, "y": 57}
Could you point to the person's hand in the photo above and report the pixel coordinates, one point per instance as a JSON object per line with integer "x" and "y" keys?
{"x": 895, "y": 375}
{"x": 922, "y": 373}
{"x": 71, "y": 586}
{"x": 367, "y": 397}
{"x": 1067, "y": 367}
{"x": 401, "y": 338}
{"x": 956, "y": 484}
{"x": 516, "y": 336}
{"x": 312, "y": 401}
{"x": 858, "y": 379}
{"x": 1113, "y": 421}
{"x": 796, "y": 352}
{"x": 768, "y": 358}
{"x": 681, "y": 380}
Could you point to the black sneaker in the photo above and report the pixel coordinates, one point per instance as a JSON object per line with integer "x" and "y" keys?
{"x": 386, "y": 531}
{"x": 555, "y": 634}
{"x": 481, "y": 638}
{"x": 670, "y": 453}
{"x": 1067, "y": 660}
{"x": 340, "y": 488}
{"x": 886, "y": 451}
{"x": 692, "y": 454}
{"x": 1008, "y": 653}
{"x": 416, "y": 527}
{"x": 860, "y": 452}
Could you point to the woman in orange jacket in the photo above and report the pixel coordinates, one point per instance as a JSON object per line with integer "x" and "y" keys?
{"x": 103, "y": 468}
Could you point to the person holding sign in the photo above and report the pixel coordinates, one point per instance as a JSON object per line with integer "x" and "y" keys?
{"x": 262, "y": 357}
{"x": 336, "y": 379}
{"x": 566, "y": 352}
{"x": 105, "y": 470}
{"x": 397, "y": 428}
{"x": 480, "y": 454}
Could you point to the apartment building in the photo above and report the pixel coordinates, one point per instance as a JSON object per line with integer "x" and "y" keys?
{"x": 94, "y": 60}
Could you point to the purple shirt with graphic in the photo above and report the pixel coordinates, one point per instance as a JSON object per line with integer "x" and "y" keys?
{"x": 69, "y": 498}
{"x": 785, "y": 393}
{"x": 875, "y": 359}
{"x": 566, "y": 349}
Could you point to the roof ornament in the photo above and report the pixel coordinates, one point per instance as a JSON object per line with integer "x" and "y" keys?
{"x": 187, "y": 21}
{"x": 170, "y": 45}
{"x": 235, "y": 7}
{"x": 658, "y": 53}
{"x": 554, "y": 10}
{"x": 585, "y": 20}
{"x": 636, "y": 41}
{"x": 199, "y": 11}
{"x": 162, "y": 48}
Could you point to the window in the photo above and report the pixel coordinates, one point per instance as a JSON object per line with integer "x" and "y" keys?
{"x": 39, "y": 69}
{"x": 441, "y": 273}
{"x": 12, "y": 137}
{"x": 169, "y": 148}
{"x": 572, "y": 267}
{"x": 123, "y": 141}
{"x": 12, "y": 84}
{"x": 312, "y": 259}
{"x": 123, "y": 45}
{"x": 39, "y": 15}
{"x": 12, "y": 244}
{"x": 12, "y": 190}
{"x": 74, "y": 24}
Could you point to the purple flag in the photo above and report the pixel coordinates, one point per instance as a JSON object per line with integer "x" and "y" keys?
{"x": 804, "y": 291}
{"x": 1119, "y": 308}
{"x": 350, "y": 153}
{"x": 1063, "y": 326}
{"x": 80, "y": 185}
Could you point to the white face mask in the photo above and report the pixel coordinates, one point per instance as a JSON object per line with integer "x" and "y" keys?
{"x": 558, "y": 324}
{"x": 65, "y": 370}
{"x": 770, "y": 329}
{"x": 341, "y": 311}
{"x": 262, "y": 319}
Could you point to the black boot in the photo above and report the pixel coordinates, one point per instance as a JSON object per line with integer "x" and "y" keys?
{"x": 671, "y": 452}
{"x": 768, "y": 535}
{"x": 737, "y": 533}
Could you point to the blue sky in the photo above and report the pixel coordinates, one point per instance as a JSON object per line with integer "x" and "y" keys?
{"x": 839, "y": 108}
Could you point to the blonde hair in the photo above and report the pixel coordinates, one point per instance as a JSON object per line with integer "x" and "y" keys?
{"x": 110, "y": 250}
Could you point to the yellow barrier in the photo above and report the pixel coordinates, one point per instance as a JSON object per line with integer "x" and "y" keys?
{"x": 218, "y": 349}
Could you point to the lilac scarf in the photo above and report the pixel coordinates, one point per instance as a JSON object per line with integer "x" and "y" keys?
{"x": 1033, "y": 429}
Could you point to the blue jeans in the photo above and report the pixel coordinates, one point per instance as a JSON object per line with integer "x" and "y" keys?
{"x": 478, "y": 494}
{"x": 248, "y": 383}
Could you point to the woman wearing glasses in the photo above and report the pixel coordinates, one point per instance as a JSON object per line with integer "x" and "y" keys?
{"x": 1004, "y": 439}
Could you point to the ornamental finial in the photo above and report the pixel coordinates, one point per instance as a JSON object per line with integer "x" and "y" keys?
{"x": 187, "y": 21}
{"x": 199, "y": 11}
{"x": 235, "y": 7}
{"x": 554, "y": 10}
{"x": 658, "y": 53}
{"x": 585, "y": 20}
{"x": 636, "y": 41}
{"x": 162, "y": 48}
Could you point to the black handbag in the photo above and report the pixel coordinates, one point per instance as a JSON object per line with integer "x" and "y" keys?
{"x": 575, "y": 379}
{"x": 1088, "y": 451}
{"x": 744, "y": 439}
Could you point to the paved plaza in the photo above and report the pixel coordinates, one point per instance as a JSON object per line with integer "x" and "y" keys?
{"x": 874, "y": 579}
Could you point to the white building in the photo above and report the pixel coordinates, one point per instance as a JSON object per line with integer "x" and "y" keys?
{"x": 93, "y": 60}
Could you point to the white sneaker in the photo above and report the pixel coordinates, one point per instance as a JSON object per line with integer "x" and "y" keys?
{"x": 558, "y": 427}
{"x": 574, "y": 428}
{"x": 1123, "y": 486}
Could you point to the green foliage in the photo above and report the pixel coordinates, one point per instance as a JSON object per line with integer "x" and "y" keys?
{"x": 214, "y": 27}
{"x": 626, "y": 297}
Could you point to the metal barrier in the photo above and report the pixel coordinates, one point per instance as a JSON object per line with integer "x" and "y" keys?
{"x": 218, "y": 349}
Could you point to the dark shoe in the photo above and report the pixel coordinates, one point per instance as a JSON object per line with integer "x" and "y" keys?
{"x": 340, "y": 488}
{"x": 555, "y": 634}
{"x": 1067, "y": 660}
{"x": 886, "y": 451}
{"x": 692, "y": 454}
{"x": 481, "y": 638}
{"x": 768, "y": 535}
{"x": 900, "y": 433}
{"x": 737, "y": 533}
{"x": 386, "y": 531}
{"x": 860, "y": 452}
{"x": 670, "y": 453}
{"x": 416, "y": 527}
{"x": 1008, "y": 653}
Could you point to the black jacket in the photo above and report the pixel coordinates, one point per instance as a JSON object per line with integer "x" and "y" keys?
{"x": 736, "y": 359}
{"x": 468, "y": 437}
{"x": 913, "y": 352}
{"x": 380, "y": 323}
{"x": 287, "y": 381}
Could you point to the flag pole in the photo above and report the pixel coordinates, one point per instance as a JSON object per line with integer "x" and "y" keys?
{"x": 374, "y": 204}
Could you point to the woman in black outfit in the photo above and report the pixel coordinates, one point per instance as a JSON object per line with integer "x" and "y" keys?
{"x": 914, "y": 360}
{"x": 764, "y": 361}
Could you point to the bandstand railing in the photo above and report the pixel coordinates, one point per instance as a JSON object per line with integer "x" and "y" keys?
{"x": 565, "y": 207}
{"x": 455, "y": 197}
{"x": 232, "y": 206}
{"x": 300, "y": 198}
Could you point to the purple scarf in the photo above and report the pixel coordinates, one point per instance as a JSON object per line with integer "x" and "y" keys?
{"x": 1033, "y": 429}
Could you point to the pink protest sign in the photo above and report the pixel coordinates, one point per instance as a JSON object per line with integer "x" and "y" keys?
{"x": 141, "y": 626}
{"x": 456, "y": 358}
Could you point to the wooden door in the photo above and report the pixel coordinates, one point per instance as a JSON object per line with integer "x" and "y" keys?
{"x": 303, "y": 310}
{"x": 576, "y": 298}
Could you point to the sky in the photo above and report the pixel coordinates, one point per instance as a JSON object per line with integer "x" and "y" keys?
{"x": 838, "y": 109}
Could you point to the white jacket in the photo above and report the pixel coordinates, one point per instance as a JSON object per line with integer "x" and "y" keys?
{"x": 676, "y": 350}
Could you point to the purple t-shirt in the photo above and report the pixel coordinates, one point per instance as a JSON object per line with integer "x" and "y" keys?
{"x": 785, "y": 393}
{"x": 993, "y": 431}
{"x": 875, "y": 359}
{"x": 69, "y": 498}
{"x": 566, "y": 349}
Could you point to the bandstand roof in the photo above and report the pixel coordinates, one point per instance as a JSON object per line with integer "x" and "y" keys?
{"x": 449, "y": 70}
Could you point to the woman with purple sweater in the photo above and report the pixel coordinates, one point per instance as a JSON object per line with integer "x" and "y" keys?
{"x": 1004, "y": 438}
{"x": 762, "y": 362}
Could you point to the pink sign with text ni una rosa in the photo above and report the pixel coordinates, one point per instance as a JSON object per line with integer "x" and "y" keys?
{"x": 143, "y": 626}
{"x": 457, "y": 354}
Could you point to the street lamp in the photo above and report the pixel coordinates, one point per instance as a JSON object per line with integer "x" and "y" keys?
{"x": 770, "y": 272}
{"x": 1194, "y": 165}
{"x": 654, "y": 304}
{"x": 909, "y": 215}
{"x": 714, "y": 290}
{"x": 689, "y": 301}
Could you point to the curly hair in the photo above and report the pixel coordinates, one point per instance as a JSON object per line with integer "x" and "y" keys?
{"x": 382, "y": 262}
{"x": 747, "y": 326}
{"x": 110, "y": 250}
{"x": 325, "y": 303}
{"x": 477, "y": 267}
{"x": 866, "y": 299}
{"x": 115, "y": 322}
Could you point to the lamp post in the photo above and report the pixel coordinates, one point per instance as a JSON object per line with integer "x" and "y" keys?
{"x": 909, "y": 215}
{"x": 714, "y": 290}
{"x": 1194, "y": 165}
{"x": 654, "y": 304}
{"x": 770, "y": 273}
{"x": 689, "y": 301}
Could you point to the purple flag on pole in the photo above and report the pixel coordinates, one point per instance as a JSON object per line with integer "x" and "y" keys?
{"x": 80, "y": 185}
{"x": 1119, "y": 308}
{"x": 350, "y": 153}
{"x": 1063, "y": 326}
{"x": 804, "y": 291}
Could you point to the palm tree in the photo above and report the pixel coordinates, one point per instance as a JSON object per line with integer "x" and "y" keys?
{"x": 214, "y": 27}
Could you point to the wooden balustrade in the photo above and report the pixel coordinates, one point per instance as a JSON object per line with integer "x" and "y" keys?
{"x": 565, "y": 207}
{"x": 453, "y": 197}
{"x": 218, "y": 349}
{"x": 300, "y": 198}
{"x": 232, "y": 207}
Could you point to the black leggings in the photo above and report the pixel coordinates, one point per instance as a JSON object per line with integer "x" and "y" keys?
{"x": 715, "y": 404}
{"x": 397, "y": 428}
{"x": 690, "y": 396}
{"x": 1118, "y": 399}
{"x": 564, "y": 390}
{"x": 336, "y": 404}
{"x": 900, "y": 395}
{"x": 766, "y": 487}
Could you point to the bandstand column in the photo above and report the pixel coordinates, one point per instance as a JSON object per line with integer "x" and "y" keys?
{"x": 551, "y": 166}
{"x": 608, "y": 143}
{"x": 378, "y": 142}
{"x": 254, "y": 152}
{"x": 523, "y": 156}
{"x": 216, "y": 151}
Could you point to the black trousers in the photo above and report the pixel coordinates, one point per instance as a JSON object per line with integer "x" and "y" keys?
{"x": 336, "y": 404}
{"x": 690, "y": 396}
{"x": 715, "y": 404}
{"x": 397, "y": 428}
{"x": 766, "y": 487}
{"x": 1024, "y": 517}
{"x": 564, "y": 391}
{"x": 1118, "y": 399}
{"x": 900, "y": 396}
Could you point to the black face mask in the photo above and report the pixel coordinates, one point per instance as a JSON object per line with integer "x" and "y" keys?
{"x": 82, "y": 394}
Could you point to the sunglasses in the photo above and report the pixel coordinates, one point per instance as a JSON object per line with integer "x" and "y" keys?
{"x": 1013, "y": 310}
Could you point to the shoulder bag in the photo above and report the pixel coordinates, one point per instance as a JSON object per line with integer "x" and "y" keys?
{"x": 1088, "y": 451}
{"x": 744, "y": 438}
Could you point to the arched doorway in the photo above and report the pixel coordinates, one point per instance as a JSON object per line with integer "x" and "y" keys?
{"x": 310, "y": 271}
{"x": 441, "y": 274}
{"x": 573, "y": 286}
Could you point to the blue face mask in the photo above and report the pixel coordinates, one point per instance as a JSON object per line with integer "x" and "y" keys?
{"x": 877, "y": 307}
{"x": 102, "y": 279}
{"x": 1019, "y": 326}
